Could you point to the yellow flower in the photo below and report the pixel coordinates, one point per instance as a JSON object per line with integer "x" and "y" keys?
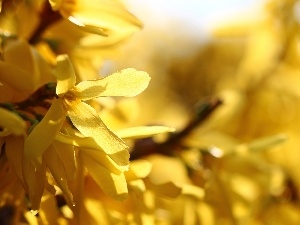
{"x": 104, "y": 154}
{"x": 98, "y": 16}
{"x": 127, "y": 83}
{"x": 22, "y": 71}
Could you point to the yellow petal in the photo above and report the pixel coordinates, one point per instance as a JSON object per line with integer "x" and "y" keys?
{"x": 127, "y": 83}
{"x": 137, "y": 187}
{"x": 83, "y": 142}
{"x": 189, "y": 215}
{"x": 50, "y": 188}
{"x": 35, "y": 70}
{"x": 12, "y": 122}
{"x": 23, "y": 71}
{"x": 88, "y": 28}
{"x": 169, "y": 165}
{"x": 35, "y": 178}
{"x": 138, "y": 169}
{"x": 20, "y": 55}
{"x": 48, "y": 213}
{"x": 57, "y": 170}
{"x": 43, "y": 134}
{"x": 261, "y": 144}
{"x": 104, "y": 16}
{"x": 192, "y": 190}
{"x": 143, "y": 131}
{"x": 31, "y": 218}
{"x": 14, "y": 152}
{"x": 111, "y": 184}
{"x": 168, "y": 189}
{"x": 16, "y": 78}
{"x": 117, "y": 115}
{"x": 90, "y": 147}
{"x": 88, "y": 122}
{"x": 77, "y": 188}
{"x": 66, "y": 154}
{"x": 65, "y": 74}
{"x": 104, "y": 160}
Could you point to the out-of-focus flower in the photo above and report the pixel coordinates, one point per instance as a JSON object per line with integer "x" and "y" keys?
{"x": 98, "y": 16}
{"x": 23, "y": 71}
{"x": 52, "y": 34}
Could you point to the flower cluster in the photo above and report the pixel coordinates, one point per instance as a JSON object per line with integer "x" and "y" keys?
{"x": 52, "y": 139}
{"x": 76, "y": 146}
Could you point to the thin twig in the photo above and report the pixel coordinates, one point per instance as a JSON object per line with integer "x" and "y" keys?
{"x": 148, "y": 146}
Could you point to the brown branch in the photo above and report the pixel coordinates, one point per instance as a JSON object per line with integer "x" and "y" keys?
{"x": 47, "y": 17}
{"x": 148, "y": 146}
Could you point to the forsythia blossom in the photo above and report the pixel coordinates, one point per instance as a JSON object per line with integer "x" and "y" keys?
{"x": 98, "y": 16}
{"x": 73, "y": 153}
{"x": 109, "y": 151}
